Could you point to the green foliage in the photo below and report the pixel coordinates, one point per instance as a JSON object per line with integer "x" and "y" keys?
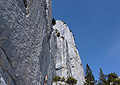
{"x": 111, "y": 77}
{"x": 89, "y": 78}
{"x": 25, "y": 3}
{"x": 62, "y": 37}
{"x": 102, "y": 78}
{"x": 56, "y": 78}
{"x": 117, "y": 80}
{"x": 71, "y": 80}
{"x": 63, "y": 79}
{"x": 53, "y": 21}
{"x": 56, "y": 30}
{"x": 58, "y": 34}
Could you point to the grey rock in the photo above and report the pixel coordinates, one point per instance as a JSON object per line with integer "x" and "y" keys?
{"x": 66, "y": 56}
{"x": 24, "y": 43}
{"x": 2, "y": 81}
{"x": 59, "y": 83}
{"x": 29, "y": 47}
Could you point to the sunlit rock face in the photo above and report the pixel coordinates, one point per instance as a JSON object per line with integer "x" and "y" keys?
{"x": 31, "y": 48}
{"x": 66, "y": 56}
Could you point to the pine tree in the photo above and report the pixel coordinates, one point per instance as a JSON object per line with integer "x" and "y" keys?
{"x": 102, "y": 78}
{"x": 111, "y": 77}
{"x": 89, "y": 77}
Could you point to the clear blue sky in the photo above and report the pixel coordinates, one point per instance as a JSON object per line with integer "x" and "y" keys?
{"x": 96, "y": 28}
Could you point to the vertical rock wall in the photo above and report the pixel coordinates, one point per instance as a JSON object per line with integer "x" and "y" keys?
{"x": 66, "y": 56}
{"x": 30, "y": 47}
{"x": 24, "y": 43}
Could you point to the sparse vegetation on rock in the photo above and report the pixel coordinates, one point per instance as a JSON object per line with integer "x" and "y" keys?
{"x": 63, "y": 79}
{"x": 62, "y": 37}
{"x": 56, "y": 30}
{"x": 56, "y": 78}
{"x": 53, "y": 21}
{"x": 58, "y": 34}
{"x": 71, "y": 80}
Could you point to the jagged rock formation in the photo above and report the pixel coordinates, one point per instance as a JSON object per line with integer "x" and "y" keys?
{"x": 66, "y": 56}
{"x": 29, "y": 46}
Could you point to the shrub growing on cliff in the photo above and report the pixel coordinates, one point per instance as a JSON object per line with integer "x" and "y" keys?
{"x": 58, "y": 34}
{"x": 56, "y": 78}
{"x": 53, "y": 21}
{"x": 56, "y": 30}
{"x": 71, "y": 80}
{"x": 63, "y": 79}
{"x": 62, "y": 37}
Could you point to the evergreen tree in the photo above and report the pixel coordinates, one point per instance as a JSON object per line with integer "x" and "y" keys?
{"x": 111, "y": 77}
{"x": 102, "y": 78}
{"x": 89, "y": 77}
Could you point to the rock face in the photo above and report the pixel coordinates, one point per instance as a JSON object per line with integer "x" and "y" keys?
{"x": 30, "y": 48}
{"x": 66, "y": 56}
{"x": 24, "y": 41}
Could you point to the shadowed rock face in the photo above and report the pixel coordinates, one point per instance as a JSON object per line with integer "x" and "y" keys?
{"x": 24, "y": 43}
{"x": 30, "y": 48}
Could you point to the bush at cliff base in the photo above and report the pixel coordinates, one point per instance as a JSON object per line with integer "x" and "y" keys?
{"x": 63, "y": 79}
{"x": 71, "y": 80}
{"x": 56, "y": 78}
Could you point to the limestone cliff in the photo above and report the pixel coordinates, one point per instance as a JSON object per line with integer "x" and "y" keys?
{"x": 30, "y": 48}
{"x": 24, "y": 41}
{"x": 66, "y": 56}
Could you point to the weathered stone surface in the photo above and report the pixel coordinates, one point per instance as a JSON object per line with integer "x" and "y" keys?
{"x": 59, "y": 83}
{"x": 30, "y": 48}
{"x": 66, "y": 56}
{"x": 2, "y": 81}
{"x": 24, "y": 43}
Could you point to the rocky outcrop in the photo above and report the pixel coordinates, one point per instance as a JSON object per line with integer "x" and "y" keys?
{"x": 66, "y": 56}
{"x": 30, "y": 47}
{"x": 24, "y": 42}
